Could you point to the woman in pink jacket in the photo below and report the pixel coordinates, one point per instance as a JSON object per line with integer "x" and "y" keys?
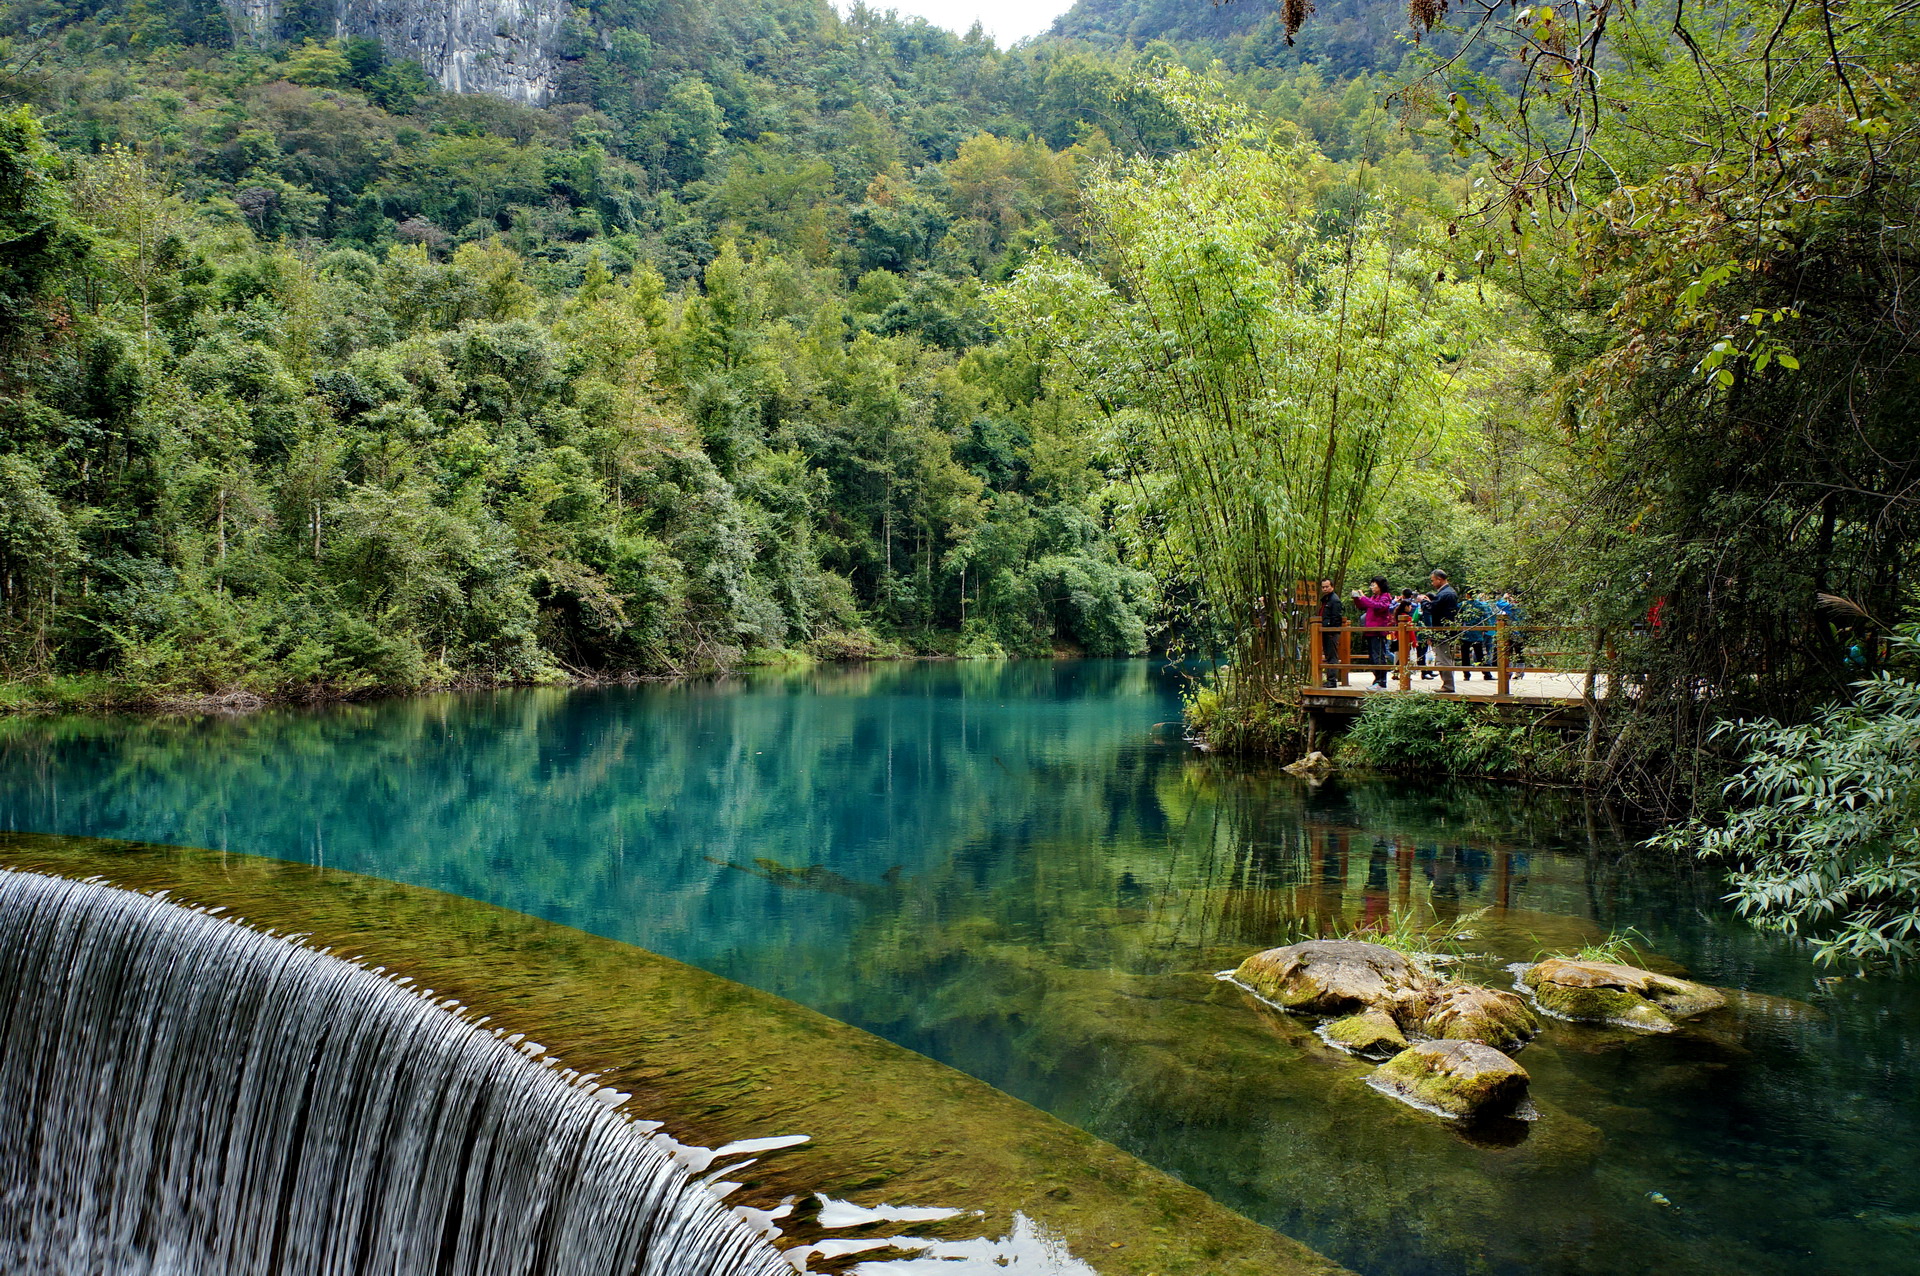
{"x": 1376, "y": 606}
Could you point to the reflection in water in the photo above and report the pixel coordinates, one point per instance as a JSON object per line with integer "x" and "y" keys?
{"x": 999, "y": 866}
{"x": 1027, "y": 1250}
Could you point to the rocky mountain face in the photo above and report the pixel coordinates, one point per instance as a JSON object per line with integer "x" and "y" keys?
{"x": 507, "y": 48}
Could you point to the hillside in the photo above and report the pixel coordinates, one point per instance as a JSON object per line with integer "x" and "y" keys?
{"x": 671, "y": 349}
{"x": 1342, "y": 37}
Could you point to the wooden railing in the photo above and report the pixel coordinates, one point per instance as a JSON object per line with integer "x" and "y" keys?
{"x": 1514, "y": 652}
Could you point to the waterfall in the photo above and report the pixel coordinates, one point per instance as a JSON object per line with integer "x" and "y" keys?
{"x": 181, "y": 1095}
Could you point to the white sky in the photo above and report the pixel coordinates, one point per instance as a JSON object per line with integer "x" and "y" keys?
{"x": 1005, "y": 20}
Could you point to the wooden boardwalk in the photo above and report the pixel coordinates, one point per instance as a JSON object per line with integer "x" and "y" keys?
{"x": 1541, "y": 689}
{"x": 1539, "y": 679}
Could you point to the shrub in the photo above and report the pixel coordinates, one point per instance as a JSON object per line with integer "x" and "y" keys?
{"x": 1409, "y": 734}
{"x": 1233, "y": 718}
{"x": 1824, "y": 828}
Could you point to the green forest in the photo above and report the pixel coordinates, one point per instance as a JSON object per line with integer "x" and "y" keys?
{"x": 775, "y": 332}
{"x": 318, "y": 379}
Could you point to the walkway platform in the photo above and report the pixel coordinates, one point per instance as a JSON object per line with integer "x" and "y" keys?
{"x": 1544, "y": 689}
{"x": 1549, "y": 675}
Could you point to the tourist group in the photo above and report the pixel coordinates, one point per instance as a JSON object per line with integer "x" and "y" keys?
{"x": 1450, "y": 627}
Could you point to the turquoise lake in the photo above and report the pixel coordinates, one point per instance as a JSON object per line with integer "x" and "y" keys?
{"x": 1019, "y": 869}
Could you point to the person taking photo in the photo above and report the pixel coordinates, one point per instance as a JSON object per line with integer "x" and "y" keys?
{"x": 1443, "y": 605}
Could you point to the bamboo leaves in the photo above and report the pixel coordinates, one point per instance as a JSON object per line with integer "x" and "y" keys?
{"x": 1268, "y": 379}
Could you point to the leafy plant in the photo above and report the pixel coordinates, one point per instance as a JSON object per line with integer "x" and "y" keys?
{"x": 1263, "y": 727}
{"x": 1823, "y": 834}
{"x": 1418, "y": 734}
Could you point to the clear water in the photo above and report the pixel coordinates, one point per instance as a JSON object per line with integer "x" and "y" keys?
{"x": 1006, "y": 867}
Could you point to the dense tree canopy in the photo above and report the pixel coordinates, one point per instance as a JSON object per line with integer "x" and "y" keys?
{"x": 320, "y": 378}
{"x": 1270, "y": 350}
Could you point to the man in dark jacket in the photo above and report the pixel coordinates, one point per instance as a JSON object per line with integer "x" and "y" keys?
{"x": 1333, "y": 614}
{"x": 1443, "y": 604}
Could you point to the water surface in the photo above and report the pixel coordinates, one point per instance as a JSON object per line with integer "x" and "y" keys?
{"x": 1006, "y": 867}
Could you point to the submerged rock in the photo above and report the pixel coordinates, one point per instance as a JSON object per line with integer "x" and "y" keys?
{"x": 1371, "y": 1034}
{"x": 1339, "y": 976}
{"x": 1459, "y": 1079}
{"x": 1603, "y": 992}
{"x": 1468, "y": 1012}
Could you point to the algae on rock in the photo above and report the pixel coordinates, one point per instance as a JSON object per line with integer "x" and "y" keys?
{"x": 1370, "y": 1034}
{"x": 1337, "y": 976}
{"x": 1383, "y": 995}
{"x": 1468, "y": 1012}
{"x": 1603, "y": 992}
{"x": 1459, "y": 1079}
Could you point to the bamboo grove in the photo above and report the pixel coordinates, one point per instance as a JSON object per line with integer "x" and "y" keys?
{"x": 1271, "y": 377}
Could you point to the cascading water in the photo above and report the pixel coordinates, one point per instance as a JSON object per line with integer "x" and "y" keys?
{"x": 182, "y": 1095}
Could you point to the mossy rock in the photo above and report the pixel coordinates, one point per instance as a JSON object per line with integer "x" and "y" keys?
{"x": 1604, "y": 992}
{"x": 1458, "y": 1079}
{"x": 1468, "y": 1012}
{"x": 1315, "y": 767}
{"x": 1371, "y": 1034}
{"x": 1339, "y": 976}
{"x": 1602, "y": 1005}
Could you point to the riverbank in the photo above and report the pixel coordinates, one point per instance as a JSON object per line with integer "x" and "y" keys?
{"x": 109, "y": 693}
{"x": 102, "y": 693}
{"x": 1400, "y": 733}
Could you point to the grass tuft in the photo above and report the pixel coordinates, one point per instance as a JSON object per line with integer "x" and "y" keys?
{"x": 1623, "y": 947}
{"x": 1429, "y": 943}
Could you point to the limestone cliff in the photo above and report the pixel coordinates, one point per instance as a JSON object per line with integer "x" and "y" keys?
{"x": 508, "y": 48}
{"x": 254, "y": 19}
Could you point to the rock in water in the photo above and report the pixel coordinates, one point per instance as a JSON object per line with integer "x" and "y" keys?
{"x": 1468, "y": 1012}
{"x": 1371, "y": 1034}
{"x": 1338, "y": 976}
{"x": 1458, "y": 1079}
{"x": 1602, "y": 992}
{"x": 1314, "y": 766}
